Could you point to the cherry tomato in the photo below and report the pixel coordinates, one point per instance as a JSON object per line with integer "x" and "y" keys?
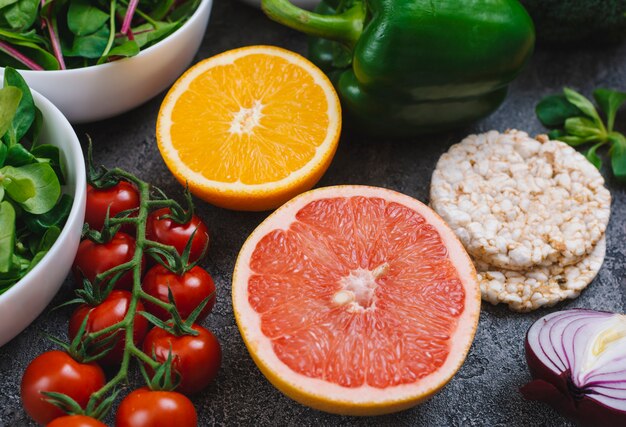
{"x": 56, "y": 371}
{"x": 148, "y": 408}
{"x": 196, "y": 358}
{"x": 95, "y": 258}
{"x": 120, "y": 197}
{"x": 168, "y": 232}
{"x": 76, "y": 421}
{"x": 189, "y": 290}
{"x": 111, "y": 311}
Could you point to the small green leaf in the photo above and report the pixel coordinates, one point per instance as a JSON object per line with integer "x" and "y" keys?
{"x": 556, "y": 133}
{"x": 9, "y": 102}
{"x": 146, "y": 35}
{"x": 610, "y": 101}
{"x": 552, "y": 111}
{"x": 4, "y": 3}
{"x": 584, "y": 128}
{"x": 83, "y": 18}
{"x": 47, "y": 240}
{"x": 593, "y": 157}
{"x": 618, "y": 155}
{"x": 55, "y": 217}
{"x": 35, "y": 187}
{"x": 3, "y": 154}
{"x": 91, "y": 46}
{"x": 159, "y": 11}
{"x": 28, "y": 37}
{"x": 583, "y": 105}
{"x": 129, "y": 48}
{"x": 22, "y": 14}
{"x": 184, "y": 10}
{"x": 38, "y": 257}
{"x": 574, "y": 141}
{"x": 52, "y": 154}
{"x": 7, "y": 235}
{"x": 17, "y": 155}
{"x": 25, "y": 114}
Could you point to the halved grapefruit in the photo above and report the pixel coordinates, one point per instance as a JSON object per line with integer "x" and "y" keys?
{"x": 356, "y": 300}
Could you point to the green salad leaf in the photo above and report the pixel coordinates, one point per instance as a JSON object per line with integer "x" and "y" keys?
{"x": 83, "y": 18}
{"x": 25, "y": 114}
{"x": 9, "y": 102}
{"x": 7, "y": 235}
{"x": 610, "y": 101}
{"x": 35, "y": 187}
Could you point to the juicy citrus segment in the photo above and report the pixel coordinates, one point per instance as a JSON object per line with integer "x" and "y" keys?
{"x": 249, "y": 127}
{"x": 356, "y": 300}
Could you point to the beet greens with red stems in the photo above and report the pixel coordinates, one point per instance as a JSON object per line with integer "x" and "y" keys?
{"x": 62, "y": 34}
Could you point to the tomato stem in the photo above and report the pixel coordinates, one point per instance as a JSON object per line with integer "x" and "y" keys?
{"x": 137, "y": 293}
{"x": 126, "y": 266}
{"x": 164, "y": 305}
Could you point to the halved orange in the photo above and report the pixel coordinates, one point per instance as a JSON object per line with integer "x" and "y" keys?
{"x": 356, "y": 300}
{"x": 250, "y": 128}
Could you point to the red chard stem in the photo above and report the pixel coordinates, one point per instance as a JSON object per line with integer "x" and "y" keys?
{"x": 14, "y": 53}
{"x": 132, "y": 6}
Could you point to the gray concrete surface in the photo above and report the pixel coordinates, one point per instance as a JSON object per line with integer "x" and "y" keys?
{"x": 485, "y": 391}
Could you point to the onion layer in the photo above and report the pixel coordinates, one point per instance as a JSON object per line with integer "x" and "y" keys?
{"x": 577, "y": 359}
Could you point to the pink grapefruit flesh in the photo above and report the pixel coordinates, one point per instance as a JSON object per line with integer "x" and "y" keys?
{"x": 356, "y": 300}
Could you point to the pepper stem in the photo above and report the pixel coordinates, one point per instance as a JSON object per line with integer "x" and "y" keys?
{"x": 345, "y": 27}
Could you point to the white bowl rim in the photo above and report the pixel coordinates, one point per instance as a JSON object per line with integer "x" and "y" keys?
{"x": 194, "y": 17}
{"x": 78, "y": 196}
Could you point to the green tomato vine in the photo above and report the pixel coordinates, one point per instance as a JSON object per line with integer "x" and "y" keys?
{"x": 102, "y": 341}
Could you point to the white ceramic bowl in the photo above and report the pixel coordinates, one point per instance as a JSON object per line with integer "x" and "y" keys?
{"x": 103, "y": 91}
{"x": 307, "y": 4}
{"x": 23, "y": 302}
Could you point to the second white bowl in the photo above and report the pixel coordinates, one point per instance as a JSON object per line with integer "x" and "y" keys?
{"x": 103, "y": 91}
{"x": 25, "y": 300}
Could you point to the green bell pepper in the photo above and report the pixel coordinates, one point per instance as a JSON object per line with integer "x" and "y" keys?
{"x": 408, "y": 67}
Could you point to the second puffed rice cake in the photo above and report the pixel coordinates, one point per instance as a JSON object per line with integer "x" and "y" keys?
{"x": 517, "y": 202}
{"x": 541, "y": 286}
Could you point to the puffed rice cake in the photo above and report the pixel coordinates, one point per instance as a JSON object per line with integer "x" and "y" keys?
{"x": 540, "y": 286}
{"x": 517, "y": 203}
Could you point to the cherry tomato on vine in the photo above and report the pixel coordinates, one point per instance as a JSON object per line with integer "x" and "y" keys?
{"x": 188, "y": 289}
{"x": 168, "y": 232}
{"x": 109, "y": 312}
{"x": 94, "y": 258}
{"x": 120, "y": 197}
{"x": 148, "y": 408}
{"x": 196, "y": 358}
{"x": 56, "y": 371}
{"x": 76, "y": 421}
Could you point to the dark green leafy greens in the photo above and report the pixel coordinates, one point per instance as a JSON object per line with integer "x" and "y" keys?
{"x": 575, "y": 120}
{"x": 60, "y": 34}
{"x": 32, "y": 208}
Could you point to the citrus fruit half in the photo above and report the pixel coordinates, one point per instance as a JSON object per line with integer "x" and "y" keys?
{"x": 356, "y": 300}
{"x": 250, "y": 128}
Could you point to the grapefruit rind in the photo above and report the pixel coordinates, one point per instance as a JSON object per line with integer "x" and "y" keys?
{"x": 330, "y": 397}
{"x": 236, "y": 195}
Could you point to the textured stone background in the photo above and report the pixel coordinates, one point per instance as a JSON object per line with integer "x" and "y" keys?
{"x": 485, "y": 391}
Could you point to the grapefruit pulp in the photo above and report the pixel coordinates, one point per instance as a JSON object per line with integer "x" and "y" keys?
{"x": 356, "y": 300}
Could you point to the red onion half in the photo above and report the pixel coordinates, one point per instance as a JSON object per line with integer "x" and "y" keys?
{"x": 578, "y": 361}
